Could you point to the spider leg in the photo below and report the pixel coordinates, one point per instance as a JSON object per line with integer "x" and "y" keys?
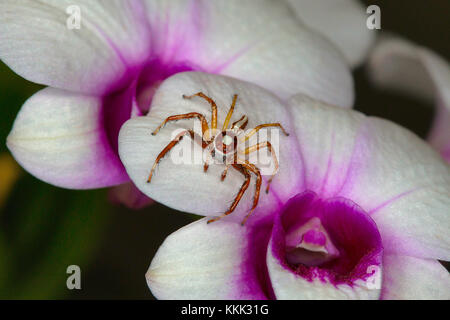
{"x": 252, "y": 168}
{"x": 210, "y": 154}
{"x": 190, "y": 115}
{"x": 229, "y": 114}
{"x": 169, "y": 146}
{"x": 224, "y": 173}
{"x": 205, "y": 165}
{"x": 257, "y": 128}
{"x": 267, "y": 145}
{"x": 213, "y": 107}
{"x": 240, "y": 193}
{"x": 241, "y": 123}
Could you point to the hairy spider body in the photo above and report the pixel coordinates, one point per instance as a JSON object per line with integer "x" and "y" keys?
{"x": 224, "y": 144}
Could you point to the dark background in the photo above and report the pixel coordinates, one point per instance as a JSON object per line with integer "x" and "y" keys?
{"x": 43, "y": 229}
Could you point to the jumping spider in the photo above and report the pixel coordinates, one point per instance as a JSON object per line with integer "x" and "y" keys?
{"x": 225, "y": 143}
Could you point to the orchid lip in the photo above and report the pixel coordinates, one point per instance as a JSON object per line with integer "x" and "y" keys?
{"x": 310, "y": 244}
{"x": 330, "y": 239}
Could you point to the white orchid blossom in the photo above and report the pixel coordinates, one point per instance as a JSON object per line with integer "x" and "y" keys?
{"x": 358, "y": 208}
{"x": 398, "y": 64}
{"x": 106, "y": 71}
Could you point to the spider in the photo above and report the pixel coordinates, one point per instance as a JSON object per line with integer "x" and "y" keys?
{"x": 224, "y": 143}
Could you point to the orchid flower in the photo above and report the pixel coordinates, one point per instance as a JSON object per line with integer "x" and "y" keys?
{"x": 355, "y": 199}
{"x": 106, "y": 71}
{"x": 398, "y": 64}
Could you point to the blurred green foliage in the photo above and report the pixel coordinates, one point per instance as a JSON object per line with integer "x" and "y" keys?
{"x": 43, "y": 229}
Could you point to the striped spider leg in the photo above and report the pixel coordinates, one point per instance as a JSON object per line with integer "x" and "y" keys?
{"x": 206, "y": 139}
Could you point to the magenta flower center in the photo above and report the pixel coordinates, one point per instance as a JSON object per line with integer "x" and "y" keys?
{"x": 132, "y": 95}
{"x": 330, "y": 239}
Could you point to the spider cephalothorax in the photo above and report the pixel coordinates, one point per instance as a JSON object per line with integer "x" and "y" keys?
{"x": 222, "y": 144}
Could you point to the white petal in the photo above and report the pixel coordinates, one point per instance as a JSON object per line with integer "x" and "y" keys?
{"x": 37, "y": 43}
{"x": 400, "y": 65}
{"x": 257, "y": 41}
{"x": 58, "y": 137}
{"x": 408, "y": 278}
{"x": 392, "y": 174}
{"x": 343, "y": 22}
{"x": 204, "y": 261}
{"x": 289, "y": 286}
{"x": 184, "y": 186}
